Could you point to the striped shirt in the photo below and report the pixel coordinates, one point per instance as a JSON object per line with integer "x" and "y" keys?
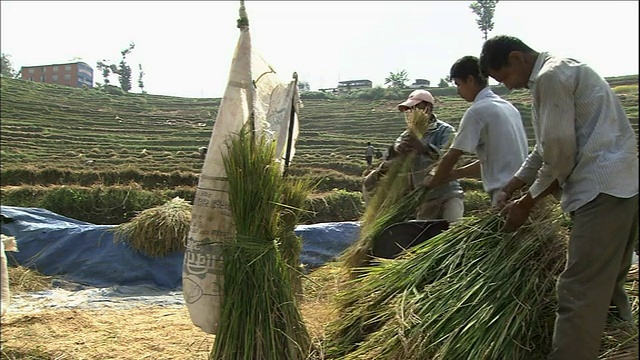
{"x": 583, "y": 136}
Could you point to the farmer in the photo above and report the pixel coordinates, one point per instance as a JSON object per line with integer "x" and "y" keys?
{"x": 491, "y": 128}
{"x": 445, "y": 201}
{"x": 585, "y": 148}
{"x": 368, "y": 154}
{"x": 372, "y": 178}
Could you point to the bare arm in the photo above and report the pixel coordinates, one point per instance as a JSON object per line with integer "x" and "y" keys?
{"x": 444, "y": 169}
{"x": 469, "y": 171}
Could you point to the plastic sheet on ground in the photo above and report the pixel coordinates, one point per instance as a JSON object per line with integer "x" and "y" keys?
{"x": 85, "y": 253}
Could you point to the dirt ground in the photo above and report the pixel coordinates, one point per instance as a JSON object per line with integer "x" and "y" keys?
{"x": 153, "y": 332}
{"x": 157, "y": 332}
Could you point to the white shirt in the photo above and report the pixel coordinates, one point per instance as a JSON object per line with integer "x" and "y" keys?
{"x": 492, "y": 128}
{"x": 583, "y": 136}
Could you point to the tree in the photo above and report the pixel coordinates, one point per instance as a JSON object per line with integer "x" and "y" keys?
{"x": 6, "y": 67}
{"x": 484, "y": 10}
{"x": 443, "y": 83}
{"x": 140, "y": 82}
{"x": 106, "y": 70}
{"x": 123, "y": 70}
{"x": 397, "y": 80}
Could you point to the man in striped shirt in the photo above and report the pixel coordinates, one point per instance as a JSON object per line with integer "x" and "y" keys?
{"x": 585, "y": 149}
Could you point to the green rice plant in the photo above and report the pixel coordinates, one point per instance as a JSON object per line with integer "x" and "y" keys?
{"x": 158, "y": 231}
{"x": 471, "y": 292}
{"x": 337, "y": 205}
{"x": 626, "y": 89}
{"x": 476, "y": 201}
{"x": 294, "y": 196}
{"x": 259, "y": 317}
{"x": 391, "y": 203}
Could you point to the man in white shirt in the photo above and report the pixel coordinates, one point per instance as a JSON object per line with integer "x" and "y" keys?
{"x": 585, "y": 148}
{"x": 491, "y": 128}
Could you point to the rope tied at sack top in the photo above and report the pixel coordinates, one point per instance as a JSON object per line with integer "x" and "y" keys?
{"x": 243, "y": 21}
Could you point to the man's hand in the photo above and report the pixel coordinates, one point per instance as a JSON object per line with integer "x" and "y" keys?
{"x": 501, "y": 199}
{"x": 416, "y": 144}
{"x": 517, "y": 213}
{"x": 404, "y": 145}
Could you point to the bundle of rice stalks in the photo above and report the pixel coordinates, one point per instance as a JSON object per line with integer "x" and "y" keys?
{"x": 620, "y": 340}
{"x": 393, "y": 200}
{"x": 295, "y": 192}
{"x": 259, "y": 316}
{"x": 471, "y": 292}
{"x": 417, "y": 122}
{"x": 158, "y": 231}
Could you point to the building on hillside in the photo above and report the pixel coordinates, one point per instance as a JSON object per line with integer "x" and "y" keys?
{"x": 420, "y": 84}
{"x": 349, "y": 85}
{"x": 75, "y": 74}
{"x": 303, "y": 86}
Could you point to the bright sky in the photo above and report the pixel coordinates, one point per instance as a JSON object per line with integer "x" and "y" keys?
{"x": 185, "y": 47}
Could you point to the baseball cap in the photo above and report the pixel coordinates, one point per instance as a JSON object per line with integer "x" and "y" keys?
{"x": 416, "y": 97}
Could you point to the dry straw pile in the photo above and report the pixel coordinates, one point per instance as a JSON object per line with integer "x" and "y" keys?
{"x": 158, "y": 231}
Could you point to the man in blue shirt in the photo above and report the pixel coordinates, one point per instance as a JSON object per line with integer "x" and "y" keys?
{"x": 445, "y": 201}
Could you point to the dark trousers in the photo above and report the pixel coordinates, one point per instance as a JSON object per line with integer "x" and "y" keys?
{"x": 598, "y": 260}
{"x": 369, "y": 159}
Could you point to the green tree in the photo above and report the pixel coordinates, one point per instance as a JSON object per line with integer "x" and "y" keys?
{"x": 397, "y": 80}
{"x": 105, "y": 69}
{"x": 443, "y": 83}
{"x": 6, "y": 67}
{"x": 484, "y": 10}
{"x": 140, "y": 82}
{"x": 123, "y": 70}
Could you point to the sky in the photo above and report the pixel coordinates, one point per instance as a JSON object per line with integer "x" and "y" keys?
{"x": 186, "y": 47}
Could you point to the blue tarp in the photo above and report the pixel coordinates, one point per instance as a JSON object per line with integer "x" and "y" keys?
{"x": 86, "y": 253}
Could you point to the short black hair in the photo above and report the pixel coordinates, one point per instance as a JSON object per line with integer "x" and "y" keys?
{"x": 495, "y": 52}
{"x": 465, "y": 66}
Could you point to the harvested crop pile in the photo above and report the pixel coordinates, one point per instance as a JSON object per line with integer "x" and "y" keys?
{"x": 158, "y": 231}
{"x": 471, "y": 292}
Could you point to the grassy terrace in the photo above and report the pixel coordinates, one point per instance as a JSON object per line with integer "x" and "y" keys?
{"x": 57, "y": 135}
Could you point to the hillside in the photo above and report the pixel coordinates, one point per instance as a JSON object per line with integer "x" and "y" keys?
{"x": 90, "y": 130}
{"x": 89, "y": 139}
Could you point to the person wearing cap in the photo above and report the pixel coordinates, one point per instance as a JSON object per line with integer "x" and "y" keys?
{"x": 491, "y": 128}
{"x": 586, "y": 148}
{"x": 445, "y": 201}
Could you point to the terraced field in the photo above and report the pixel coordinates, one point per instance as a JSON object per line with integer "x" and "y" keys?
{"x": 48, "y": 125}
{"x": 57, "y": 135}
{"x": 85, "y": 129}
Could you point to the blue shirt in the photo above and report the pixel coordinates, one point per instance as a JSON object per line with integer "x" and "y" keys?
{"x": 439, "y": 134}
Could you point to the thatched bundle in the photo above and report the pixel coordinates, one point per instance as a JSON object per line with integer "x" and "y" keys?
{"x": 158, "y": 231}
{"x": 259, "y": 317}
